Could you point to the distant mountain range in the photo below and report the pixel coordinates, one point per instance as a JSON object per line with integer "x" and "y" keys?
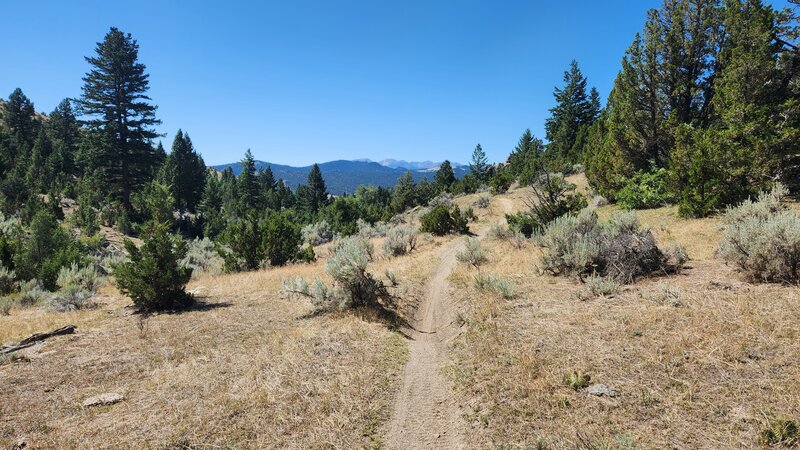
{"x": 345, "y": 176}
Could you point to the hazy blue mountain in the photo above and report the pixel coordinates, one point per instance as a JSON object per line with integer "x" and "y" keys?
{"x": 343, "y": 176}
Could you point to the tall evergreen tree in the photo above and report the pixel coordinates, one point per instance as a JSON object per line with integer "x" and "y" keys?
{"x": 403, "y": 194}
{"x": 479, "y": 165}
{"x": 445, "y": 177}
{"x": 247, "y": 184}
{"x": 315, "y": 194}
{"x": 266, "y": 179}
{"x": 63, "y": 129}
{"x": 575, "y": 110}
{"x": 184, "y": 172}
{"x": 19, "y": 116}
{"x": 40, "y": 170}
{"x": 119, "y": 114}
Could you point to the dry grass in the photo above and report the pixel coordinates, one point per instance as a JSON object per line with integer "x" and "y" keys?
{"x": 248, "y": 370}
{"x": 700, "y": 359}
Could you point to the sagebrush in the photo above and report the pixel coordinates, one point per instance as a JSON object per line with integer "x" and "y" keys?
{"x": 619, "y": 249}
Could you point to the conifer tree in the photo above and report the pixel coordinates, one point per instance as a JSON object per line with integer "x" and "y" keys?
{"x": 19, "y": 116}
{"x": 63, "y": 129}
{"x": 40, "y": 176}
{"x": 314, "y": 194}
{"x": 246, "y": 183}
{"x": 445, "y": 177}
{"x": 575, "y": 110}
{"x": 119, "y": 115}
{"x": 479, "y": 166}
{"x": 403, "y": 195}
{"x": 266, "y": 179}
{"x": 184, "y": 172}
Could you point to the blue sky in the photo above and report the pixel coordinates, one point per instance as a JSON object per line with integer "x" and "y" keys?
{"x": 310, "y": 81}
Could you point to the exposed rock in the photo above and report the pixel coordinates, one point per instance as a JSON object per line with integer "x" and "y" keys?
{"x": 601, "y": 390}
{"x": 108, "y": 398}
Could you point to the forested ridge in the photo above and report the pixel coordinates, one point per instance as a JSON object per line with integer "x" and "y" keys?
{"x": 704, "y": 112}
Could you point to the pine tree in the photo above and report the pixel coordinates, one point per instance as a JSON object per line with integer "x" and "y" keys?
{"x": 742, "y": 150}
{"x": 40, "y": 171}
{"x": 63, "y": 129}
{"x": 19, "y": 116}
{"x": 574, "y": 111}
{"x": 403, "y": 195}
{"x": 445, "y": 177}
{"x": 314, "y": 195}
{"x": 120, "y": 115}
{"x": 246, "y": 183}
{"x": 184, "y": 172}
{"x": 266, "y": 179}
{"x": 479, "y": 166}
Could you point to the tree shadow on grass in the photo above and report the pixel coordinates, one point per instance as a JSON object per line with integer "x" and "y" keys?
{"x": 197, "y": 305}
{"x": 374, "y": 314}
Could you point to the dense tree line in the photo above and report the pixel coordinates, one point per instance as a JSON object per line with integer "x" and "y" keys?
{"x": 708, "y": 92}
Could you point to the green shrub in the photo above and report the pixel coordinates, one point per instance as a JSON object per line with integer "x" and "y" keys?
{"x": 86, "y": 218}
{"x": 523, "y": 223}
{"x": 781, "y": 431}
{"x": 7, "y": 281}
{"x": 31, "y": 293}
{"x": 473, "y": 254}
{"x": 602, "y": 286}
{"x": 645, "y": 190}
{"x": 77, "y": 286}
{"x": 444, "y": 198}
{"x": 482, "y": 202}
{"x": 6, "y": 303}
{"x": 553, "y": 197}
{"x": 47, "y": 249}
{"x": 762, "y": 238}
{"x": 306, "y": 254}
{"x": 318, "y": 233}
{"x": 353, "y": 286}
{"x": 281, "y": 240}
{"x": 618, "y": 249}
{"x": 400, "y": 240}
{"x": 243, "y": 249}
{"x": 499, "y": 232}
{"x": 370, "y": 230}
{"x": 153, "y": 277}
{"x": 500, "y": 286}
{"x": 577, "y": 380}
{"x": 203, "y": 258}
{"x": 501, "y": 181}
{"x": 85, "y": 277}
{"x": 440, "y": 221}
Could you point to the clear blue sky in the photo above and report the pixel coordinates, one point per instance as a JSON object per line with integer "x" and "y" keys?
{"x": 305, "y": 81}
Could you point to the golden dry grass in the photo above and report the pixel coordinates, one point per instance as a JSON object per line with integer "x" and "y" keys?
{"x": 250, "y": 370}
{"x": 700, "y": 359}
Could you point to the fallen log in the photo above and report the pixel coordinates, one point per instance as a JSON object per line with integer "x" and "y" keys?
{"x": 36, "y": 337}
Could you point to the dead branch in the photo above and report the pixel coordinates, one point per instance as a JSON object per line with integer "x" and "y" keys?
{"x": 36, "y": 337}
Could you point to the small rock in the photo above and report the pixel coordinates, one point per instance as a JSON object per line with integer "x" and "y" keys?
{"x": 20, "y": 444}
{"x": 103, "y": 399}
{"x": 601, "y": 390}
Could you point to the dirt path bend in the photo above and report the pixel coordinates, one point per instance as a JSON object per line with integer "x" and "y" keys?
{"x": 425, "y": 414}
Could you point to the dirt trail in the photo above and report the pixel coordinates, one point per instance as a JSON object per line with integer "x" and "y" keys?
{"x": 424, "y": 414}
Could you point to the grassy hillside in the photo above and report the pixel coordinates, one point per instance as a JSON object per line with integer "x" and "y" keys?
{"x": 701, "y": 359}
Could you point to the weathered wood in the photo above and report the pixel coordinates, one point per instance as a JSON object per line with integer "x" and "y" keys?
{"x": 36, "y": 337}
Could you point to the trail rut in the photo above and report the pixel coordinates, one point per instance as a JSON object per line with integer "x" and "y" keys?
{"x": 425, "y": 414}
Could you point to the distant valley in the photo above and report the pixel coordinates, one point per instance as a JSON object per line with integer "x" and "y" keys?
{"x": 343, "y": 176}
